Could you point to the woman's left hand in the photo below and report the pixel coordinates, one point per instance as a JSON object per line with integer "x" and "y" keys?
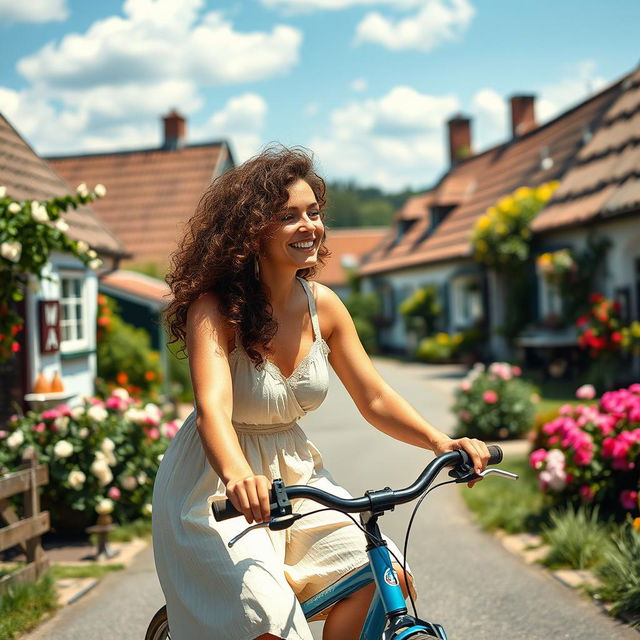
{"x": 475, "y": 448}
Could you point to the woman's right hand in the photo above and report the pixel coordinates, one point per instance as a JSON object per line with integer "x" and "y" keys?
{"x": 250, "y": 496}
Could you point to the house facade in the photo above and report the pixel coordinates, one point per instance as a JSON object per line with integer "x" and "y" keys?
{"x": 59, "y": 314}
{"x": 589, "y": 149}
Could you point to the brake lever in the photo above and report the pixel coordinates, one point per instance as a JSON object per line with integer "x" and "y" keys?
{"x": 470, "y": 475}
{"x": 275, "y": 524}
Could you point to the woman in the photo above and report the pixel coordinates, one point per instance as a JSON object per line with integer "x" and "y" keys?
{"x": 260, "y": 336}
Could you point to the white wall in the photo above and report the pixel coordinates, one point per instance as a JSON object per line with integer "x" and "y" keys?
{"x": 78, "y": 369}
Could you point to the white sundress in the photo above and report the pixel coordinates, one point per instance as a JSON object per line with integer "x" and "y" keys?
{"x": 216, "y": 593}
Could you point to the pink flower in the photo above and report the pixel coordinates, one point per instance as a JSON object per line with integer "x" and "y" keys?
{"x": 629, "y": 500}
{"x": 490, "y": 397}
{"x": 586, "y": 493}
{"x": 114, "y": 493}
{"x": 537, "y": 457}
{"x": 3, "y": 434}
{"x": 465, "y": 385}
{"x": 64, "y": 410}
{"x": 50, "y": 414}
{"x": 153, "y": 433}
{"x": 516, "y": 370}
{"x": 13, "y": 418}
{"x": 583, "y": 457}
{"x": 586, "y": 392}
{"x": 40, "y": 427}
{"x": 170, "y": 429}
{"x": 464, "y": 416}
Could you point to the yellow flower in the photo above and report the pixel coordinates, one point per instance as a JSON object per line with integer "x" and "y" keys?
{"x": 442, "y": 338}
{"x": 636, "y": 524}
{"x": 523, "y": 192}
{"x": 481, "y": 246}
{"x": 484, "y": 222}
{"x": 525, "y": 233}
{"x": 492, "y": 211}
{"x": 544, "y": 191}
{"x": 635, "y": 329}
{"x": 544, "y": 259}
{"x": 507, "y": 204}
{"x": 457, "y": 338}
{"x": 501, "y": 228}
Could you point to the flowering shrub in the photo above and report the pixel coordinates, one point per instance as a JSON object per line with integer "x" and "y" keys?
{"x": 445, "y": 347}
{"x": 599, "y": 330}
{"x": 423, "y": 305}
{"x": 591, "y": 453}
{"x": 631, "y": 338}
{"x": 494, "y": 403}
{"x": 29, "y": 232}
{"x": 98, "y": 451}
{"x": 557, "y": 267}
{"x": 502, "y": 238}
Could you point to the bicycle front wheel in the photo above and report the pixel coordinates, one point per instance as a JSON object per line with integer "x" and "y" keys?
{"x": 159, "y": 626}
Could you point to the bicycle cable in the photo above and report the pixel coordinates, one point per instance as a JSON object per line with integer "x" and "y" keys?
{"x": 406, "y": 538}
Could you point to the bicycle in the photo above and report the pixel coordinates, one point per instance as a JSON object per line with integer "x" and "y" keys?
{"x": 388, "y": 617}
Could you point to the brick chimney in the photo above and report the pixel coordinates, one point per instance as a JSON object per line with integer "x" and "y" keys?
{"x": 175, "y": 131}
{"x": 523, "y": 117}
{"x": 459, "y": 138}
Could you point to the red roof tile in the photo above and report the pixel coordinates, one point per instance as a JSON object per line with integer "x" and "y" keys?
{"x": 29, "y": 177}
{"x": 150, "y": 194}
{"x": 139, "y": 285}
{"x": 481, "y": 180}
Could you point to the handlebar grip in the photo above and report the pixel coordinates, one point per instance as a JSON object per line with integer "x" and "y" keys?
{"x": 224, "y": 510}
{"x": 495, "y": 453}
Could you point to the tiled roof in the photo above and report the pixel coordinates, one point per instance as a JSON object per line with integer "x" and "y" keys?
{"x": 27, "y": 176}
{"x": 150, "y": 193}
{"x": 481, "y": 180}
{"x": 138, "y": 285}
{"x": 605, "y": 179}
{"x": 349, "y": 244}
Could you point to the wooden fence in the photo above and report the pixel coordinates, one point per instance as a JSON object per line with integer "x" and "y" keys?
{"x": 24, "y": 531}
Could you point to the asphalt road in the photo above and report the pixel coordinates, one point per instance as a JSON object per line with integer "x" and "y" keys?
{"x": 466, "y": 580}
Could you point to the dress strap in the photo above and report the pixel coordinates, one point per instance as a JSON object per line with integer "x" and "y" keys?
{"x": 312, "y": 309}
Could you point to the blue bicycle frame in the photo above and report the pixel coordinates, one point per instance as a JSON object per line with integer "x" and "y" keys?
{"x": 387, "y": 613}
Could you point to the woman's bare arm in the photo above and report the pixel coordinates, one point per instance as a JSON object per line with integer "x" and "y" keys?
{"x": 378, "y": 403}
{"x": 207, "y": 340}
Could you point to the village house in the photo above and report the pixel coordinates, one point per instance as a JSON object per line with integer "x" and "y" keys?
{"x": 59, "y": 333}
{"x": 592, "y": 149}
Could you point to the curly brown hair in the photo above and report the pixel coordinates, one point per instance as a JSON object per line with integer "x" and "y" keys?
{"x": 223, "y": 238}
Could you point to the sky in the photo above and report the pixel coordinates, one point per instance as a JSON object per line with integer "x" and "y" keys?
{"x": 367, "y": 85}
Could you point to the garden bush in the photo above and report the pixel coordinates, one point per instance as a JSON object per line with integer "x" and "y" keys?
{"x": 445, "y": 347}
{"x": 102, "y": 456}
{"x": 494, "y": 403}
{"x": 590, "y": 454}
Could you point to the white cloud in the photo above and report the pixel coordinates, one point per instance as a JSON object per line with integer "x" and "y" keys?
{"x": 33, "y": 10}
{"x": 393, "y": 141}
{"x": 489, "y": 110}
{"x": 334, "y": 5}
{"x": 437, "y": 22}
{"x": 241, "y": 121}
{"x": 107, "y": 87}
{"x": 312, "y": 109}
{"x": 359, "y": 84}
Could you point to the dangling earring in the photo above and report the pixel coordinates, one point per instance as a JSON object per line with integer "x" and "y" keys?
{"x": 256, "y": 268}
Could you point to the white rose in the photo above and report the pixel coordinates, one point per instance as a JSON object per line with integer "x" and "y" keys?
{"x": 120, "y": 393}
{"x": 83, "y": 433}
{"x": 3, "y": 192}
{"x": 15, "y": 440}
{"x": 62, "y": 424}
{"x": 142, "y": 477}
{"x": 39, "y": 212}
{"x": 77, "y": 412}
{"x": 14, "y": 207}
{"x": 82, "y": 190}
{"x": 76, "y": 479}
{"x": 11, "y": 251}
{"x": 104, "y": 507}
{"x": 91, "y": 254}
{"x": 82, "y": 246}
{"x": 97, "y": 413}
{"x": 107, "y": 446}
{"x": 137, "y": 416}
{"x": 111, "y": 459}
{"x": 100, "y": 190}
{"x": 147, "y": 509}
{"x": 160, "y": 456}
{"x": 100, "y": 470}
{"x": 129, "y": 483}
{"x": 63, "y": 449}
{"x": 95, "y": 264}
{"x": 61, "y": 225}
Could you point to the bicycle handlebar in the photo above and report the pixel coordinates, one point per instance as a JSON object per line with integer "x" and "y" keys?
{"x": 386, "y": 498}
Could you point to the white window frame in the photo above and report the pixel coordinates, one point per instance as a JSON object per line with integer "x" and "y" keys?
{"x": 465, "y": 315}
{"x": 74, "y": 343}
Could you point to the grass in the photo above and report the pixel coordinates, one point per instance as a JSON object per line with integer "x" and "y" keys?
{"x": 577, "y": 538}
{"x": 515, "y": 506}
{"x": 62, "y": 571}
{"x": 23, "y": 605}
{"x": 620, "y": 572}
{"x": 140, "y": 528}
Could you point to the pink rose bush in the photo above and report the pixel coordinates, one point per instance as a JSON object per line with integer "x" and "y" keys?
{"x": 494, "y": 402}
{"x": 101, "y": 449}
{"x": 600, "y": 450}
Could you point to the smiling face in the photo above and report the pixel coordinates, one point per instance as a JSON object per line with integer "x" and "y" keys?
{"x": 298, "y": 232}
